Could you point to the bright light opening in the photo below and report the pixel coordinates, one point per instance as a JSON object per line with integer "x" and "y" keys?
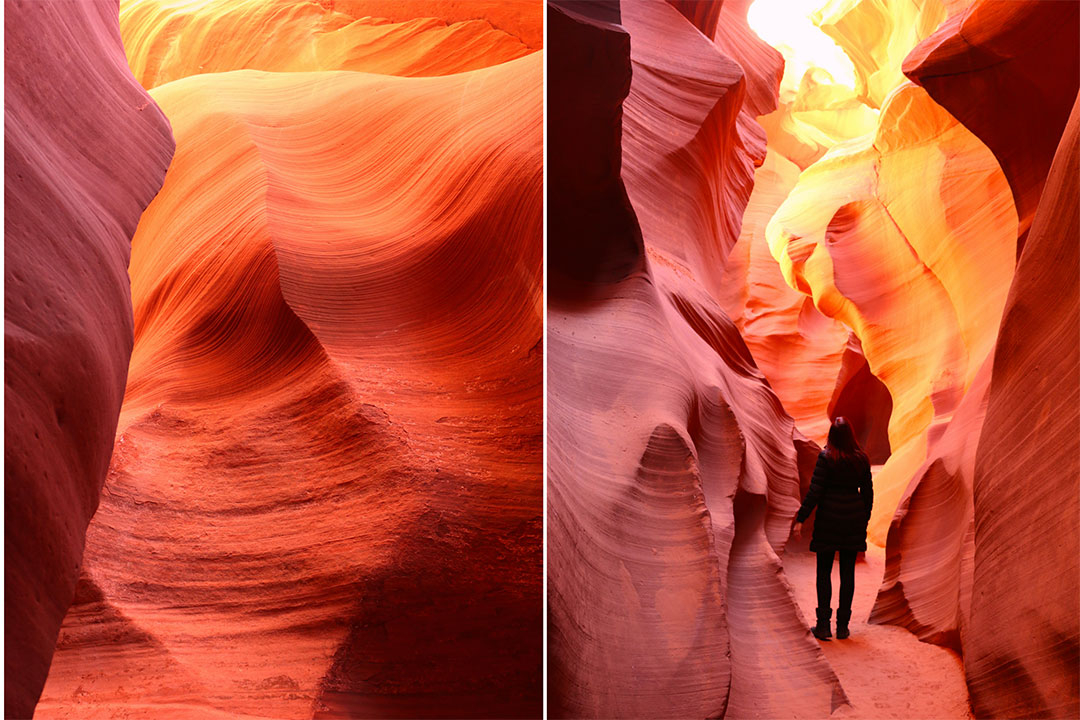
{"x": 786, "y": 25}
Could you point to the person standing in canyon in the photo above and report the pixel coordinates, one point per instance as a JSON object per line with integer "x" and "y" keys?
{"x": 843, "y": 492}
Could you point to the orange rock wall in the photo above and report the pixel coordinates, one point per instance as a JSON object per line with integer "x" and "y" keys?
{"x": 994, "y": 58}
{"x": 1022, "y": 656}
{"x": 165, "y": 41}
{"x": 949, "y": 576}
{"x": 918, "y": 270}
{"x": 325, "y": 497}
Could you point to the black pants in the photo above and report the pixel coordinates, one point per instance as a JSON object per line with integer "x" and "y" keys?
{"x": 847, "y": 578}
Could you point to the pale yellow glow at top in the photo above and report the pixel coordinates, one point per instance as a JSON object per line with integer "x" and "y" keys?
{"x": 786, "y": 25}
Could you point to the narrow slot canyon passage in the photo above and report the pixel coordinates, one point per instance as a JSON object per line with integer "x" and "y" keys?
{"x": 764, "y": 215}
{"x": 884, "y": 671}
{"x": 303, "y": 243}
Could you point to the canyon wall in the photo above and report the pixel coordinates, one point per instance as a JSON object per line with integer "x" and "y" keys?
{"x": 674, "y": 472}
{"x": 985, "y": 63}
{"x": 950, "y": 521}
{"x": 325, "y": 493}
{"x": 870, "y": 271}
{"x": 85, "y": 151}
{"x": 1024, "y": 645}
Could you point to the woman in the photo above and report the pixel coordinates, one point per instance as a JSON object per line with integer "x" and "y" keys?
{"x": 842, "y": 491}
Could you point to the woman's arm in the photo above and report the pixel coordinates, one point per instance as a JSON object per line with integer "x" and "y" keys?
{"x": 817, "y": 487}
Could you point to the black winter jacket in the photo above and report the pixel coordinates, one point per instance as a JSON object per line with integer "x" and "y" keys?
{"x": 843, "y": 492}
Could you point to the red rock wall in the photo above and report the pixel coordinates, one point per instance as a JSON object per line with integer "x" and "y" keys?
{"x": 965, "y": 568}
{"x": 931, "y": 542}
{"x": 85, "y": 151}
{"x": 325, "y": 495}
{"x": 674, "y": 471}
{"x": 1024, "y": 645}
{"x": 1008, "y": 72}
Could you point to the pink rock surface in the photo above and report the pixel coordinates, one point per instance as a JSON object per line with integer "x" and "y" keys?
{"x": 1023, "y": 649}
{"x": 674, "y": 471}
{"x": 85, "y": 150}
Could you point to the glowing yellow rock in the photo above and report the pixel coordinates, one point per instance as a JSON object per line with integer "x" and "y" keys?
{"x": 918, "y": 269}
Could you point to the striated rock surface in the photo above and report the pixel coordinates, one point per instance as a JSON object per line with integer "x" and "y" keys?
{"x": 911, "y": 248}
{"x": 85, "y": 151}
{"x": 166, "y": 41}
{"x": 867, "y": 273}
{"x": 796, "y": 347}
{"x": 1008, "y": 72}
{"x": 968, "y": 567}
{"x": 520, "y": 18}
{"x": 325, "y": 495}
{"x": 918, "y": 270}
{"x": 931, "y": 541}
{"x": 1024, "y": 645}
{"x": 674, "y": 471}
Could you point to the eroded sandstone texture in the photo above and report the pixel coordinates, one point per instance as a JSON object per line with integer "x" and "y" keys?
{"x": 986, "y": 63}
{"x": 674, "y": 471}
{"x": 85, "y": 151}
{"x": 165, "y": 42}
{"x": 1020, "y": 645}
{"x": 859, "y": 255}
{"x": 1024, "y": 644}
{"x": 325, "y": 493}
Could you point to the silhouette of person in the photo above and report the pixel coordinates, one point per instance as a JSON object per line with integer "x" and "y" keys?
{"x": 842, "y": 491}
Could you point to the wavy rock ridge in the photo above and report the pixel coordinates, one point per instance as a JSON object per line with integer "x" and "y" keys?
{"x": 324, "y": 499}
{"x": 865, "y": 255}
{"x": 950, "y": 521}
{"x": 906, "y": 232}
{"x": 85, "y": 151}
{"x": 673, "y": 469}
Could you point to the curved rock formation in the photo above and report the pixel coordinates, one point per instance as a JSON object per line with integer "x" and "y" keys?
{"x": 877, "y": 35}
{"x": 674, "y": 471}
{"x": 1008, "y": 72}
{"x": 325, "y": 497}
{"x": 797, "y": 349}
{"x": 864, "y": 400}
{"x": 919, "y": 270}
{"x": 958, "y": 574}
{"x": 85, "y": 151}
{"x": 520, "y": 18}
{"x": 1024, "y": 645}
{"x": 594, "y": 238}
{"x": 931, "y": 541}
{"x": 166, "y": 41}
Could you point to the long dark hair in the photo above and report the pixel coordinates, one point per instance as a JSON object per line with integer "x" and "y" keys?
{"x": 842, "y": 444}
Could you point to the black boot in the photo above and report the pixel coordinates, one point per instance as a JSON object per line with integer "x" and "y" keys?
{"x": 842, "y": 617}
{"x": 821, "y": 630}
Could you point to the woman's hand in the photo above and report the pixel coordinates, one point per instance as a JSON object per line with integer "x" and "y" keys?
{"x": 796, "y": 530}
